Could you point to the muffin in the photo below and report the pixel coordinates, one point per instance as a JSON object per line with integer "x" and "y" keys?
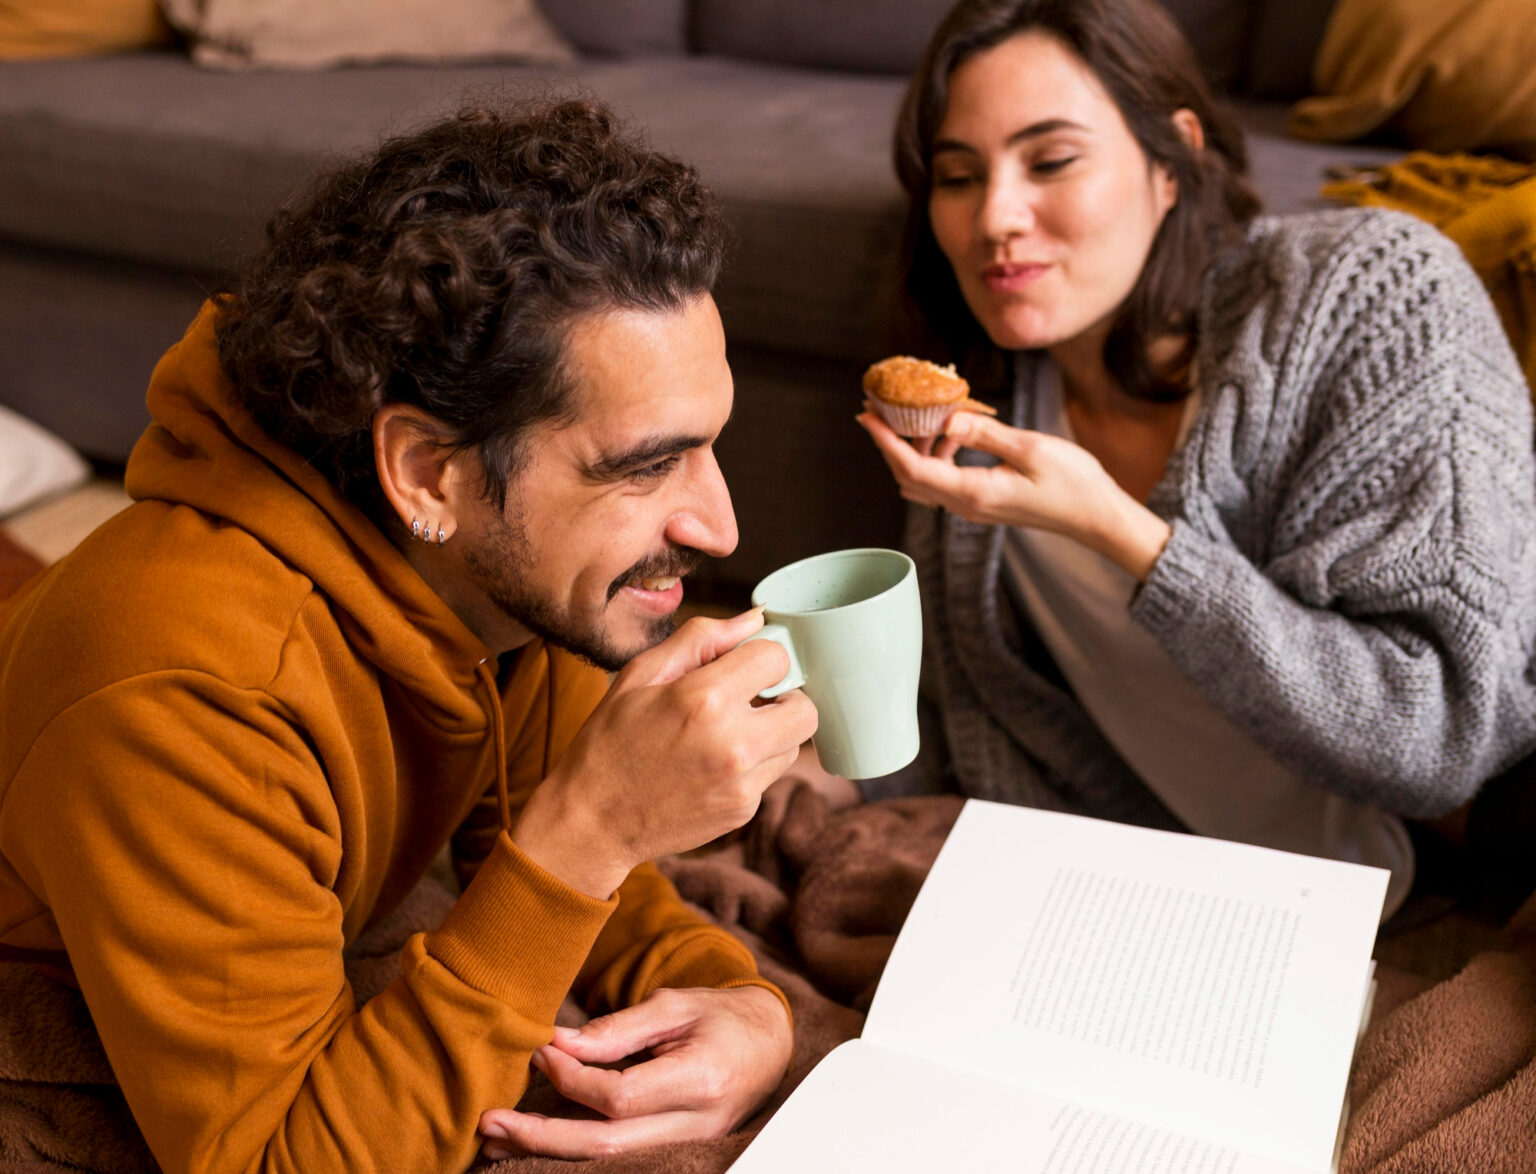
{"x": 916, "y": 397}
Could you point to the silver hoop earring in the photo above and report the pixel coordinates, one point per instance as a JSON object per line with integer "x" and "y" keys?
{"x": 441, "y": 537}
{"x": 415, "y": 527}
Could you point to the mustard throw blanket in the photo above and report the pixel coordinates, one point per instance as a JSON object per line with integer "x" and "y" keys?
{"x": 1485, "y": 204}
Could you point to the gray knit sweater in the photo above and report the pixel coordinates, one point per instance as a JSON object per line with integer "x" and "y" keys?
{"x": 1351, "y": 577}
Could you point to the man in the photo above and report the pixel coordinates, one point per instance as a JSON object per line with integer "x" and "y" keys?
{"x": 443, "y": 447}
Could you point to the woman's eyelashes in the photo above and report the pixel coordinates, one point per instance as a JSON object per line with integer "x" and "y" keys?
{"x": 1043, "y": 167}
{"x": 1053, "y": 165}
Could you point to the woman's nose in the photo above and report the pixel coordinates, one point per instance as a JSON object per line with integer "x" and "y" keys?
{"x": 1006, "y": 210}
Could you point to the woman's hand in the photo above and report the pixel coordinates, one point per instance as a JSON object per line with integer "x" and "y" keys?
{"x": 1043, "y": 481}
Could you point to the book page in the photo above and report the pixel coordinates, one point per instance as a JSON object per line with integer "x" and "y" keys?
{"x": 1206, "y": 987}
{"x": 865, "y": 1108}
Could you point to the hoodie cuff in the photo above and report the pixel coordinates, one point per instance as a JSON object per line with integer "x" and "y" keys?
{"x": 519, "y": 932}
{"x": 711, "y": 957}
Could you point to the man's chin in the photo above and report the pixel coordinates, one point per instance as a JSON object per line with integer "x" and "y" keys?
{"x": 610, "y": 652}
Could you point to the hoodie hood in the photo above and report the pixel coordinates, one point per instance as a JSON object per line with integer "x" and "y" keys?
{"x": 204, "y": 450}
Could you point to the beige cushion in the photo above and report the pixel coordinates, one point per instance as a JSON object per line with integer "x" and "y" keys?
{"x": 309, "y": 34}
{"x": 1439, "y": 75}
{"x": 74, "y": 28}
{"x": 34, "y": 463}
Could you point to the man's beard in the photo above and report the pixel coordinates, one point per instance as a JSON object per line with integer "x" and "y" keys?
{"x": 501, "y": 565}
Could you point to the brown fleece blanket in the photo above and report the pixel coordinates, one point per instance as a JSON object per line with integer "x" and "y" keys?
{"x": 1446, "y": 1079}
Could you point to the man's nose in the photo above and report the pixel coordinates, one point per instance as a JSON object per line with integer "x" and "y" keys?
{"x": 706, "y": 520}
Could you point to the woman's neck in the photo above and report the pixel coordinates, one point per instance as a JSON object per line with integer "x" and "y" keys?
{"x": 1132, "y": 437}
{"x": 1087, "y": 383}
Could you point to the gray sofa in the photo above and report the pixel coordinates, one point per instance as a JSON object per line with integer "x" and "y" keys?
{"x": 130, "y": 182}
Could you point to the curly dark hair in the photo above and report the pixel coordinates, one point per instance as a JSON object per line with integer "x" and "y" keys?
{"x": 444, "y": 271}
{"x": 1147, "y": 67}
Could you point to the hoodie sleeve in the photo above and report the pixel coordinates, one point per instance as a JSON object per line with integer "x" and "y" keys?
{"x": 653, "y": 939}
{"x": 200, "y": 911}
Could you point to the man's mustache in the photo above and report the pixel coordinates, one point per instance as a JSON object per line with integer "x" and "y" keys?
{"x": 674, "y": 561}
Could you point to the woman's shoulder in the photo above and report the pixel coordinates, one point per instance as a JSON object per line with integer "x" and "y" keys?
{"x": 1324, "y": 278}
{"x": 1335, "y": 250}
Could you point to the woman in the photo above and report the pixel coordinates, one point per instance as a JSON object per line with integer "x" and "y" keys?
{"x": 1253, "y": 556}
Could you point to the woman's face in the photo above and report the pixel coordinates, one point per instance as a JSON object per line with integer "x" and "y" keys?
{"x": 1043, "y": 201}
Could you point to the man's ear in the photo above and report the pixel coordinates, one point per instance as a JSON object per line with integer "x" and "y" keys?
{"x": 418, "y": 472}
{"x": 1190, "y": 129}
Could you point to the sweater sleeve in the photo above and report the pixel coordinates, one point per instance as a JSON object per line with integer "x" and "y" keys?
{"x": 1361, "y": 598}
{"x": 200, "y": 911}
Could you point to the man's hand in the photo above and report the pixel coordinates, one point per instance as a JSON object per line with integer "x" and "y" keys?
{"x": 715, "y": 1057}
{"x": 675, "y": 755}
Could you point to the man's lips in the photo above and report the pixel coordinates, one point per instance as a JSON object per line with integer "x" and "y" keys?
{"x": 661, "y": 583}
{"x": 1008, "y": 276}
{"x": 661, "y": 595}
{"x": 661, "y": 574}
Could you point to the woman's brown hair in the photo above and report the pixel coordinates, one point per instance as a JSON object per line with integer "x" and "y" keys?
{"x": 1147, "y": 67}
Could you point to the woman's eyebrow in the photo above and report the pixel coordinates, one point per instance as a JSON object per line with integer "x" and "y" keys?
{"x": 1034, "y": 130}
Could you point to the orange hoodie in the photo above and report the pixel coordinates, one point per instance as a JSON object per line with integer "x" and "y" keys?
{"x": 235, "y": 728}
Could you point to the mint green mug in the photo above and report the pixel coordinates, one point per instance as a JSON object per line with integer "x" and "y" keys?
{"x": 853, "y": 627}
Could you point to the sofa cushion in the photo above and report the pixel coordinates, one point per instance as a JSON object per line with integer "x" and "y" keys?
{"x": 72, "y": 28}
{"x": 1288, "y": 173}
{"x": 872, "y": 35}
{"x": 301, "y": 34}
{"x": 889, "y": 38}
{"x": 149, "y": 158}
{"x": 635, "y": 26}
{"x": 1218, "y": 31}
{"x": 1284, "y": 42}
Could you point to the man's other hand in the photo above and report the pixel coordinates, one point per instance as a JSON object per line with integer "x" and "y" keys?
{"x": 715, "y": 1056}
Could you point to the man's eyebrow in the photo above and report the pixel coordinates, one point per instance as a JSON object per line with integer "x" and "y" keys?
{"x": 1033, "y": 131}
{"x": 637, "y": 456}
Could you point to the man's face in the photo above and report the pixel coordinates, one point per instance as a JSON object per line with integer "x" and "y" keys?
{"x": 609, "y": 511}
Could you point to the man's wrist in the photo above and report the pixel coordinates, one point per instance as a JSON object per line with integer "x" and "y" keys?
{"x": 557, "y": 836}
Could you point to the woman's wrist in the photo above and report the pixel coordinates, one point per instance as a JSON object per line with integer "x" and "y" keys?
{"x": 1131, "y": 536}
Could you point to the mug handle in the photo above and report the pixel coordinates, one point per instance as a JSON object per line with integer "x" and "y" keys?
{"x": 793, "y": 679}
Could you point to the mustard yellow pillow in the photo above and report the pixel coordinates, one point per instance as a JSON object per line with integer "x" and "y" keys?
{"x": 1438, "y": 75}
{"x": 74, "y": 28}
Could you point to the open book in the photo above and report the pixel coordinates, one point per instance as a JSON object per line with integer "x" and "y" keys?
{"x": 1071, "y": 995}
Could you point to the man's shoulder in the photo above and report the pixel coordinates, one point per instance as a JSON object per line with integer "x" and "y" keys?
{"x": 156, "y": 589}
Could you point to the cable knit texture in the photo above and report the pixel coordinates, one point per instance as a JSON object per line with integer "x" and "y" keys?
{"x": 1350, "y": 577}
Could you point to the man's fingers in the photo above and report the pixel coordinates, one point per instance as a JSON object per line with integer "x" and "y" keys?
{"x": 664, "y": 1016}
{"x": 698, "y": 642}
{"x": 512, "y": 1133}
{"x": 668, "y": 1083}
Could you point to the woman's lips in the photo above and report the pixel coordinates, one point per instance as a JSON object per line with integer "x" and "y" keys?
{"x": 1008, "y": 278}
